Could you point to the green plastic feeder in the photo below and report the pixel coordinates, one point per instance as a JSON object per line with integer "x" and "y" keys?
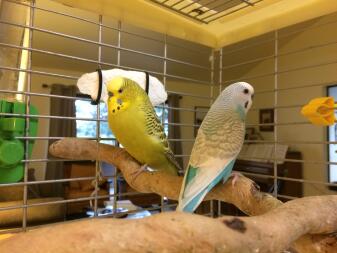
{"x": 12, "y": 150}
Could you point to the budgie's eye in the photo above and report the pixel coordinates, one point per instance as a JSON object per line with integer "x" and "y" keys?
{"x": 246, "y": 91}
{"x": 110, "y": 94}
{"x": 120, "y": 91}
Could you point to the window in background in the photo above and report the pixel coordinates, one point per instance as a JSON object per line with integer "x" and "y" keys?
{"x": 84, "y": 109}
{"x": 332, "y": 136}
{"x": 162, "y": 113}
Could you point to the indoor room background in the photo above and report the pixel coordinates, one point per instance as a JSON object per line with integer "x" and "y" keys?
{"x": 287, "y": 68}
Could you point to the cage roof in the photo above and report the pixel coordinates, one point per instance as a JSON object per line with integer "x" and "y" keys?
{"x": 214, "y": 23}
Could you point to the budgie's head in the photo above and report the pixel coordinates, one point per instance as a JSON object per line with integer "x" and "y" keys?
{"x": 122, "y": 92}
{"x": 240, "y": 96}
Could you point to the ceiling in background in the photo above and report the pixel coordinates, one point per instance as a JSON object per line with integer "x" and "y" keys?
{"x": 206, "y": 11}
{"x": 214, "y": 23}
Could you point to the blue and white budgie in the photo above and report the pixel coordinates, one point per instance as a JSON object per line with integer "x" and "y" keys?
{"x": 219, "y": 141}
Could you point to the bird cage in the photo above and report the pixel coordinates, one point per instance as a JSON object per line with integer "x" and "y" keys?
{"x": 196, "y": 49}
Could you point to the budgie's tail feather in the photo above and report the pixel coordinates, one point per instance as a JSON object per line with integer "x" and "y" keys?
{"x": 189, "y": 205}
{"x": 172, "y": 170}
{"x": 193, "y": 204}
{"x": 189, "y": 175}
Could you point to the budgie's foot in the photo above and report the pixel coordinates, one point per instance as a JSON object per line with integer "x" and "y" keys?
{"x": 138, "y": 172}
{"x": 235, "y": 176}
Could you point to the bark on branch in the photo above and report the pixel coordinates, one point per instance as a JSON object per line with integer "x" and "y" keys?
{"x": 181, "y": 232}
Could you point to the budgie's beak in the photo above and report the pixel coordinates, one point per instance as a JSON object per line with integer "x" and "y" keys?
{"x": 249, "y": 102}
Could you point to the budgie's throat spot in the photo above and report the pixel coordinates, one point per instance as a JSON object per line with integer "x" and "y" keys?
{"x": 117, "y": 105}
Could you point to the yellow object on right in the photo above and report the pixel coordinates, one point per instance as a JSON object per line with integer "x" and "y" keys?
{"x": 320, "y": 111}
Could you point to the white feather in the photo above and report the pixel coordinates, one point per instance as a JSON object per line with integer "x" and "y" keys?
{"x": 88, "y": 84}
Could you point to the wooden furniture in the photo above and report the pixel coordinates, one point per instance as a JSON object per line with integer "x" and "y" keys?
{"x": 286, "y": 169}
{"x": 144, "y": 200}
{"x": 83, "y": 188}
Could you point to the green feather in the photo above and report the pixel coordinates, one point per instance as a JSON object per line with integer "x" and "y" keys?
{"x": 192, "y": 171}
{"x": 190, "y": 174}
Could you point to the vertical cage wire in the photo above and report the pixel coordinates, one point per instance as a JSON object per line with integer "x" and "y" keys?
{"x": 220, "y": 89}
{"x": 119, "y": 41}
{"x": 98, "y": 122}
{"x": 275, "y": 192}
{"x": 162, "y": 201}
{"x": 211, "y": 90}
{"x": 27, "y": 119}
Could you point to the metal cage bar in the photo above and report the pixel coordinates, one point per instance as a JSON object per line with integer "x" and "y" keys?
{"x": 220, "y": 90}
{"x": 98, "y": 125}
{"x": 115, "y": 180}
{"x": 27, "y": 119}
{"x": 212, "y": 76}
{"x": 275, "y": 110}
{"x": 162, "y": 198}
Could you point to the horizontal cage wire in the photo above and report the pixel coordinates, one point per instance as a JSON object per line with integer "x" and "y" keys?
{"x": 275, "y": 64}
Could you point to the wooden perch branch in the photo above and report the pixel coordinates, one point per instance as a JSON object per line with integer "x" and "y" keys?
{"x": 181, "y": 232}
{"x": 277, "y": 226}
{"x": 244, "y": 195}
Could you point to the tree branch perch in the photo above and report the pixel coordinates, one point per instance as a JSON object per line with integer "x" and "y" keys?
{"x": 244, "y": 195}
{"x": 177, "y": 232}
{"x": 277, "y": 227}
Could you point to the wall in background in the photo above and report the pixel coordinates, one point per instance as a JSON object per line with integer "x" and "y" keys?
{"x": 294, "y": 73}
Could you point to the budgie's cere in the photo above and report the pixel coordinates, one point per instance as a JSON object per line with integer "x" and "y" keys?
{"x": 217, "y": 145}
{"x": 136, "y": 126}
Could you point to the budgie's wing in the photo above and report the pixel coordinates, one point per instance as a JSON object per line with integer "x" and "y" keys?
{"x": 199, "y": 180}
{"x": 207, "y": 167}
{"x": 170, "y": 156}
{"x": 155, "y": 129}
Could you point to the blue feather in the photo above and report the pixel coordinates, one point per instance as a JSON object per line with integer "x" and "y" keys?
{"x": 241, "y": 111}
{"x": 225, "y": 174}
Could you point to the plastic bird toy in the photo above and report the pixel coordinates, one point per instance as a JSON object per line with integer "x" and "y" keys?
{"x": 320, "y": 111}
{"x": 11, "y": 149}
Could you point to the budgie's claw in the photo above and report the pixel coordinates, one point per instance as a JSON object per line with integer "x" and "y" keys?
{"x": 138, "y": 172}
{"x": 235, "y": 178}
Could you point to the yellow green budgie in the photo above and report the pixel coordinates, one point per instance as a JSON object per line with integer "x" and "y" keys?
{"x": 136, "y": 126}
